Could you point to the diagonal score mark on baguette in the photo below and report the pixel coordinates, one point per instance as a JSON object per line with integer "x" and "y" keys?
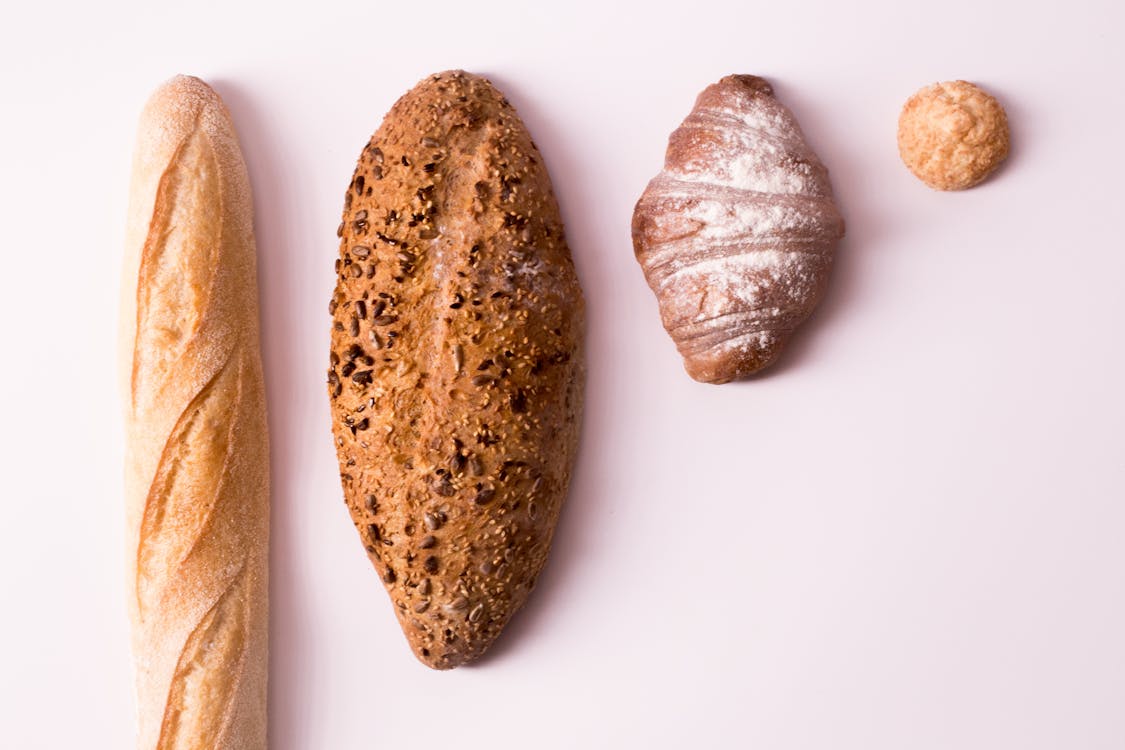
{"x": 212, "y": 654}
{"x": 188, "y": 482}
{"x": 178, "y": 260}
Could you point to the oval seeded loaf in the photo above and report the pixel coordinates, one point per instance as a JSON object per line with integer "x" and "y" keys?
{"x": 456, "y": 367}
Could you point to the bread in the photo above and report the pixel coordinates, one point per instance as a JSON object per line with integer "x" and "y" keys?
{"x": 456, "y": 366}
{"x": 736, "y": 234}
{"x": 197, "y": 472}
{"x": 952, "y": 135}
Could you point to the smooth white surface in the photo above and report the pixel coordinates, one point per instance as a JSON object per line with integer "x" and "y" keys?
{"x": 910, "y": 534}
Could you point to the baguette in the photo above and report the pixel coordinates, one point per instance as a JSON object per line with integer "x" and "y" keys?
{"x": 456, "y": 366}
{"x": 197, "y": 472}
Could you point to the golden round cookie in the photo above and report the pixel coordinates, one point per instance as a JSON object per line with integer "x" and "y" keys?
{"x": 952, "y": 135}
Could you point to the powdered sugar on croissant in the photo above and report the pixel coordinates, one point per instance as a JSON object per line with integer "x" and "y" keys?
{"x": 736, "y": 233}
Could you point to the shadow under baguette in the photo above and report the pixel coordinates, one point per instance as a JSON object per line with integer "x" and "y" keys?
{"x": 279, "y": 264}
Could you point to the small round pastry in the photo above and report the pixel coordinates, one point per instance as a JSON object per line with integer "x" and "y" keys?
{"x": 952, "y": 135}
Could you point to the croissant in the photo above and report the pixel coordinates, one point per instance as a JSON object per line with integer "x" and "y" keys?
{"x": 737, "y": 232}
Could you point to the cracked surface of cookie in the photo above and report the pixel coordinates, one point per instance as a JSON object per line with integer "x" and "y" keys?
{"x": 952, "y": 135}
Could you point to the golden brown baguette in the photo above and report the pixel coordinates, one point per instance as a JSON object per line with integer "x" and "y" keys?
{"x": 197, "y": 472}
{"x": 456, "y": 364}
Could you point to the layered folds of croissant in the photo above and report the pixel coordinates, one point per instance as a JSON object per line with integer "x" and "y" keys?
{"x": 736, "y": 234}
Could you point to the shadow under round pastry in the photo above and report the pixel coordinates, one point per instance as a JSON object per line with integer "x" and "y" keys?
{"x": 952, "y": 135}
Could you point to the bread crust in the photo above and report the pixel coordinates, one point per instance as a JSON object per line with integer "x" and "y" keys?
{"x": 737, "y": 233}
{"x": 952, "y": 135}
{"x": 196, "y": 470}
{"x": 456, "y": 367}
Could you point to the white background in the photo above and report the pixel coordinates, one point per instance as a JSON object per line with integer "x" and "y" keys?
{"x": 909, "y": 534}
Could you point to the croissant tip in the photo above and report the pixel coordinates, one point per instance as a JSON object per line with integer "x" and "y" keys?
{"x": 753, "y": 83}
{"x": 743, "y": 364}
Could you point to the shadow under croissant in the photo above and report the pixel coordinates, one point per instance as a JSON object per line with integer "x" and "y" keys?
{"x": 281, "y": 271}
{"x": 856, "y": 187}
{"x": 858, "y": 204}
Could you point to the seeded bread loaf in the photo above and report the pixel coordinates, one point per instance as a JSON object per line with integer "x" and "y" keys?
{"x": 197, "y": 473}
{"x": 456, "y": 368}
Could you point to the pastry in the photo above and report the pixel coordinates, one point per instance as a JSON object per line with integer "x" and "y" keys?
{"x": 952, "y": 135}
{"x": 736, "y": 234}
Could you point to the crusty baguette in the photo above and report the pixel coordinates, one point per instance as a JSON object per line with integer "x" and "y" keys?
{"x": 197, "y": 473}
{"x": 456, "y": 363}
